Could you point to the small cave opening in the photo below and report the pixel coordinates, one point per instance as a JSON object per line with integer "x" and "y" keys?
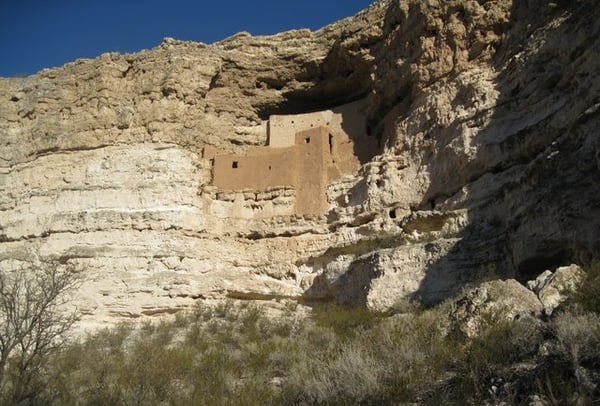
{"x": 393, "y": 214}
{"x": 269, "y": 83}
{"x": 235, "y": 164}
{"x": 532, "y": 267}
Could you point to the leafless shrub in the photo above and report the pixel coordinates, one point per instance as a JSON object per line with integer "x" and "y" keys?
{"x": 32, "y": 326}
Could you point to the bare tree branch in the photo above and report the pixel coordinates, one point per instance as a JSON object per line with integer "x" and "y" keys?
{"x": 33, "y": 325}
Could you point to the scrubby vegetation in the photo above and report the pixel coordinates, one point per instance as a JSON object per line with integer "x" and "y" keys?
{"x": 234, "y": 354}
{"x": 587, "y": 297}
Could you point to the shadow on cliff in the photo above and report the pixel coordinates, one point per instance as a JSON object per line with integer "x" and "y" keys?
{"x": 344, "y": 76}
{"x": 533, "y": 188}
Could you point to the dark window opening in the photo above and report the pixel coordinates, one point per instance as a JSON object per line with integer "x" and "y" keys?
{"x": 307, "y": 140}
{"x": 234, "y": 164}
{"x": 269, "y": 167}
{"x": 331, "y": 144}
{"x": 393, "y": 213}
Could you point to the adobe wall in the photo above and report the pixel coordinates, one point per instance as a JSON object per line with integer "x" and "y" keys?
{"x": 313, "y": 159}
{"x": 209, "y": 152}
{"x": 259, "y": 170}
{"x": 306, "y": 167}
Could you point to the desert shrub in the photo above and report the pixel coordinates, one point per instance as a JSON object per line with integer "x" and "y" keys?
{"x": 332, "y": 364}
{"x": 383, "y": 361}
{"x": 514, "y": 361}
{"x": 84, "y": 372}
{"x": 235, "y": 354}
{"x": 249, "y": 358}
{"x": 578, "y": 337}
{"x": 486, "y": 369}
{"x": 345, "y": 321}
{"x": 349, "y": 376}
{"x": 587, "y": 296}
{"x": 567, "y": 372}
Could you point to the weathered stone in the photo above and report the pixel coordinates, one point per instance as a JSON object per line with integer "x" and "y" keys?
{"x": 492, "y": 302}
{"x": 486, "y": 116}
{"x": 552, "y": 287}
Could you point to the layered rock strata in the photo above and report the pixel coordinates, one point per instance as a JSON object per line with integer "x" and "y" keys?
{"x": 486, "y": 116}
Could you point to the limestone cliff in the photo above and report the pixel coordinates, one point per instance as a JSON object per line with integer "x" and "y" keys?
{"x": 485, "y": 162}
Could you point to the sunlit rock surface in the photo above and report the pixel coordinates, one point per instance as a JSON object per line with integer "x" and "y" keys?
{"x": 484, "y": 117}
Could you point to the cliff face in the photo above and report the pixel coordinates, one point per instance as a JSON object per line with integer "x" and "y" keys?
{"x": 485, "y": 115}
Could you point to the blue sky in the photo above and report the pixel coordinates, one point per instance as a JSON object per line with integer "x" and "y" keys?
{"x": 37, "y": 34}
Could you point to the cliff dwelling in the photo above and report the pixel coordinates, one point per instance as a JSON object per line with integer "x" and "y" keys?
{"x": 305, "y": 152}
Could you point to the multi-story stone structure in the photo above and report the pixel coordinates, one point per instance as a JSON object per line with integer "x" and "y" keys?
{"x": 306, "y": 152}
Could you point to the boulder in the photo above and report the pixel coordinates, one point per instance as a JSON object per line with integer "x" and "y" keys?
{"x": 552, "y": 288}
{"x": 490, "y": 302}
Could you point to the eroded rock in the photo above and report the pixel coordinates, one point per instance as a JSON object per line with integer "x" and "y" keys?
{"x": 492, "y": 302}
{"x": 552, "y": 288}
{"x": 485, "y": 117}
